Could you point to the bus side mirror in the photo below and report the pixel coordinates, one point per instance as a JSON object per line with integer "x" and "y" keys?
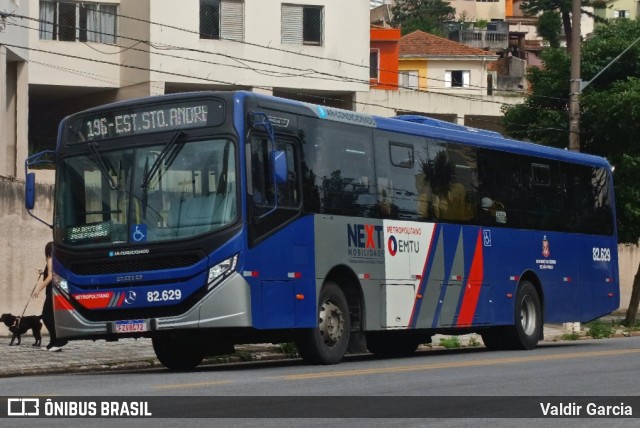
{"x": 30, "y": 191}
{"x": 279, "y": 165}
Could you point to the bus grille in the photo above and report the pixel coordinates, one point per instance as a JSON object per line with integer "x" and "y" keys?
{"x": 109, "y": 267}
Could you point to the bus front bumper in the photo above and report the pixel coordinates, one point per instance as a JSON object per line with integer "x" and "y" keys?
{"x": 228, "y": 304}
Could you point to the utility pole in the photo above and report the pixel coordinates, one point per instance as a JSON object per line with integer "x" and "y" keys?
{"x": 574, "y": 87}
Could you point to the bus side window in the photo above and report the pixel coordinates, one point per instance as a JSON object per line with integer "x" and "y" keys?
{"x": 544, "y": 198}
{"x": 452, "y": 171}
{"x": 261, "y": 186}
{"x": 500, "y": 189}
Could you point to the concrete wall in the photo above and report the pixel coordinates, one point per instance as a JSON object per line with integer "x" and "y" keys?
{"x": 388, "y": 103}
{"x": 24, "y": 238}
{"x": 22, "y": 246}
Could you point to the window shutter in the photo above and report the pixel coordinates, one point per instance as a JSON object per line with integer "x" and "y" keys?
{"x": 447, "y": 79}
{"x": 291, "y": 24}
{"x": 413, "y": 79}
{"x": 232, "y": 20}
{"x": 466, "y": 79}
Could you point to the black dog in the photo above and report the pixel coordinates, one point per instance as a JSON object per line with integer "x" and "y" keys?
{"x": 20, "y": 325}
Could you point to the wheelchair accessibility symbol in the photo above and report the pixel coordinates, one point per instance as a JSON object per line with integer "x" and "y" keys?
{"x": 486, "y": 238}
{"x": 139, "y": 232}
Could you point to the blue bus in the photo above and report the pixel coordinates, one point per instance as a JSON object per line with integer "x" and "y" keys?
{"x": 205, "y": 220}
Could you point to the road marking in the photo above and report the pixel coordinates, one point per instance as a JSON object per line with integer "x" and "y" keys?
{"x": 193, "y": 385}
{"x": 488, "y": 362}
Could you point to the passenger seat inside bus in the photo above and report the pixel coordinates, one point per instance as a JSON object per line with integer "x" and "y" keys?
{"x": 195, "y": 215}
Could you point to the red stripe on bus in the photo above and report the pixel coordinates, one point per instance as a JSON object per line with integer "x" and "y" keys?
{"x": 414, "y": 315}
{"x": 61, "y": 304}
{"x": 474, "y": 285}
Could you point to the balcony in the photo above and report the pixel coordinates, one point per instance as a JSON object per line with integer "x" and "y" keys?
{"x": 495, "y": 37}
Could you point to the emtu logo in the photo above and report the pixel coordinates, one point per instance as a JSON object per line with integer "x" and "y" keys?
{"x": 392, "y": 245}
{"x": 396, "y": 246}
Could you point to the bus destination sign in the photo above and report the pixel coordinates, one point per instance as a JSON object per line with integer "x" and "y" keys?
{"x": 144, "y": 119}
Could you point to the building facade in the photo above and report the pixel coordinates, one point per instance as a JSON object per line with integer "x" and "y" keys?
{"x": 14, "y": 60}
{"x": 84, "y": 53}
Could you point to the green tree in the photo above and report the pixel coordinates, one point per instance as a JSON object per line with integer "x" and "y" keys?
{"x": 610, "y": 116}
{"x": 425, "y": 15}
{"x": 549, "y": 27}
{"x": 548, "y": 10}
{"x": 561, "y": 7}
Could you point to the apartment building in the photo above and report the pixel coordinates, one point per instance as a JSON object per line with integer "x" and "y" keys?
{"x": 612, "y": 9}
{"x": 84, "y": 53}
{"x": 13, "y": 87}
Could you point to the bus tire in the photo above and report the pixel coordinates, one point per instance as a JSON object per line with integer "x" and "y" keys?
{"x": 527, "y": 330}
{"x": 391, "y": 344}
{"x": 178, "y": 353}
{"x": 494, "y": 338}
{"x": 327, "y": 343}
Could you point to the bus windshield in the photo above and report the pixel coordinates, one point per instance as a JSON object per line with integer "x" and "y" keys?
{"x": 156, "y": 193}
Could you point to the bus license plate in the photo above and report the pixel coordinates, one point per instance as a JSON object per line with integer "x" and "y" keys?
{"x": 131, "y": 326}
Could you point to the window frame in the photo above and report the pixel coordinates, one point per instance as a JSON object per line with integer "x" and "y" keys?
{"x": 449, "y": 82}
{"x": 56, "y": 31}
{"x": 412, "y": 77}
{"x": 230, "y": 21}
{"x": 374, "y": 72}
{"x": 293, "y": 28}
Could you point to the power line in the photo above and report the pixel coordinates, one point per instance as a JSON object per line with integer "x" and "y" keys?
{"x": 138, "y": 41}
{"x": 329, "y": 76}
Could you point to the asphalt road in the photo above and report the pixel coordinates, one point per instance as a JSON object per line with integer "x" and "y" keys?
{"x": 602, "y": 371}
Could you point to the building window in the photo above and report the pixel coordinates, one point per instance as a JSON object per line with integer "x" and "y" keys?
{"x": 374, "y": 64}
{"x": 71, "y": 21}
{"x": 621, "y": 14}
{"x": 408, "y": 79}
{"x": 302, "y": 25}
{"x": 456, "y": 79}
{"x": 222, "y": 19}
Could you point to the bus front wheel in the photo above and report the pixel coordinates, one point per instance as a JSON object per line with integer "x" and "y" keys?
{"x": 177, "y": 352}
{"x": 327, "y": 343}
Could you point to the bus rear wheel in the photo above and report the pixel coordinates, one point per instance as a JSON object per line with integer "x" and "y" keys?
{"x": 327, "y": 343}
{"x": 177, "y": 352}
{"x": 527, "y": 329}
{"x": 391, "y": 344}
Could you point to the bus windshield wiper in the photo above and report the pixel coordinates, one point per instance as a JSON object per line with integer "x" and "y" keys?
{"x": 102, "y": 166}
{"x": 169, "y": 151}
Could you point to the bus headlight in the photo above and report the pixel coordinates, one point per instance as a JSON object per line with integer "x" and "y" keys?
{"x": 220, "y": 271}
{"x": 60, "y": 282}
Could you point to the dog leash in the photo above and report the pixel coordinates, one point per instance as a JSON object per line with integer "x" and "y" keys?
{"x": 29, "y": 298}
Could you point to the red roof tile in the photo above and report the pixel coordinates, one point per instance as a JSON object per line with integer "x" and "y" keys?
{"x": 420, "y": 43}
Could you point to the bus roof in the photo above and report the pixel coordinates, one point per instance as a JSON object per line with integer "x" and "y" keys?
{"x": 434, "y": 128}
{"x": 408, "y": 124}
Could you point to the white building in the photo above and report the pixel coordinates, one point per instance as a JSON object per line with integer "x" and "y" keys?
{"x": 85, "y": 53}
{"x": 13, "y": 87}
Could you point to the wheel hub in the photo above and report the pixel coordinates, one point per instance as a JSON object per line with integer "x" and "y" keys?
{"x": 331, "y": 323}
{"x": 528, "y": 316}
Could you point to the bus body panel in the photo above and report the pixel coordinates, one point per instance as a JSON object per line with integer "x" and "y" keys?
{"x": 412, "y": 273}
{"x": 280, "y": 271}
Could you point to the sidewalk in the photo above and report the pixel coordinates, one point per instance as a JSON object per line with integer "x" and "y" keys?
{"x": 128, "y": 354}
